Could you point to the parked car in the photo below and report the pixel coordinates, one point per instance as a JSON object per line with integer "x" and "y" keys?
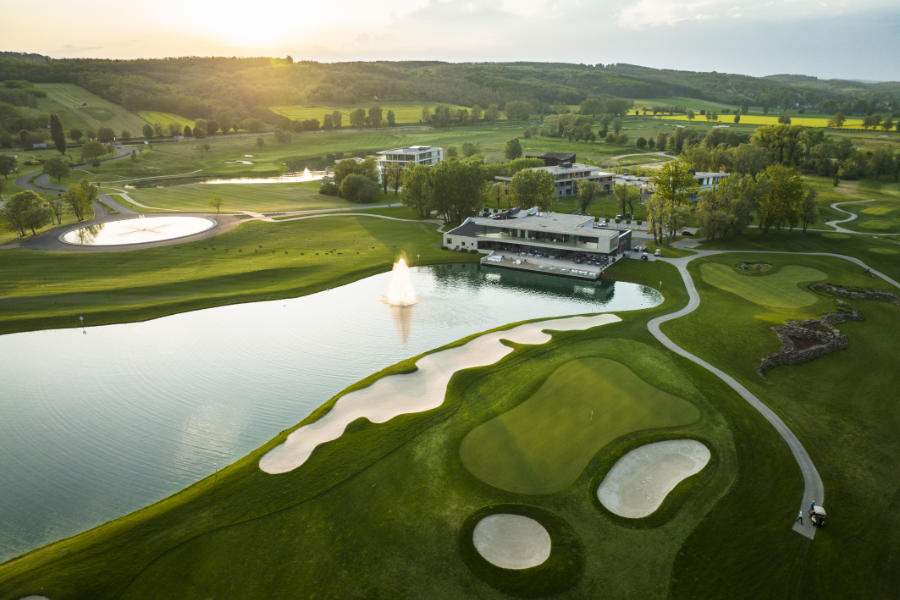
{"x": 687, "y": 233}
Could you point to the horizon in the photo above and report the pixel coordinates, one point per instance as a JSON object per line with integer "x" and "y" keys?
{"x": 827, "y": 40}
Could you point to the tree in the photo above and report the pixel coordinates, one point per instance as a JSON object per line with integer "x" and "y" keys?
{"x": 784, "y": 120}
{"x": 426, "y": 114}
{"x": 745, "y": 107}
{"x": 187, "y": 131}
{"x": 690, "y": 115}
{"x": 737, "y": 118}
{"x": 56, "y": 167}
{"x": 391, "y": 118}
{"x": 26, "y": 210}
{"x": 452, "y": 152}
{"x": 888, "y": 123}
{"x": 592, "y": 106}
{"x": 56, "y": 204}
{"x": 475, "y": 114}
{"x": 456, "y": 189}
{"x": 374, "y": 118}
{"x": 216, "y": 202}
{"x": 513, "y": 149}
{"x": 106, "y": 135}
{"x": 781, "y": 197}
{"x": 532, "y": 187}
{"x": 393, "y": 175}
{"x": 470, "y": 149}
{"x": 80, "y": 197}
{"x": 496, "y": 192}
{"x": 809, "y": 212}
{"x": 147, "y": 130}
{"x": 641, "y": 143}
{"x": 348, "y": 166}
{"x": 837, "y": 120}
{"x": 92, "y": 151}
{"x": 212, "y": 127}
{"x": 359, "y": 188}
{"x": 518, "y": 110}
{"x": 674, "y": 185}
{"x": 617, "y": 125}
{"x": 260, "y": 142}
{"x": 57, "y": 134}
{"x": 327, "y": 122}
{"x": 627, "y": 195}
{"x": 587, "y": 190}
{"x": 417, "y": 192}
{"x": 336, "y": 117}
{"x": 492, "y": 114}
{"x": 7, "y": 164}
{"x": 358, "y": 117}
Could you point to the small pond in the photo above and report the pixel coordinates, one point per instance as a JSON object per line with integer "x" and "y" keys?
{"x": 99, "y": 422}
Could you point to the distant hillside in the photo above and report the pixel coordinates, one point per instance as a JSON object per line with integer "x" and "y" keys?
{"x": 243, "y": 87}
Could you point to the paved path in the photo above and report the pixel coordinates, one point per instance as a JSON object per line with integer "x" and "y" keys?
{"x": 813, "y": 488}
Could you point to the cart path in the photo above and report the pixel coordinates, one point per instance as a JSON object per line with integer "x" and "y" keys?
{"x": 813, "y": 488}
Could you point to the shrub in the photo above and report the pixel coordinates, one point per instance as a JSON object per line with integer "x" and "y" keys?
{"x": 329, "y": 188}
{"x": 359, "y": 188}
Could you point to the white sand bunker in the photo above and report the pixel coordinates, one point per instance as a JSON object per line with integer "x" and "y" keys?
{"x": 511, "y": 541}
{"x": 639, "y": 481}
{"x": 418, "y": 391}
{"x": 34, "y": 598}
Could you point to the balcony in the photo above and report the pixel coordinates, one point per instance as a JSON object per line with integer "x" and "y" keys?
{"x": 542, "y": 242}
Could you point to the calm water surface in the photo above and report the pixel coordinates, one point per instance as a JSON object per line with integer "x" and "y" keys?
{"x": 96, "y": 424}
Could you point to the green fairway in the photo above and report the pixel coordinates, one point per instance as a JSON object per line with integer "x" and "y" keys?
{"x": 843, "y": 408}
{"x": 261, "y": 197}
{"x": 257, "y": 261}
{"x": 783, "y": 288}
{"x": 79, "y": 108}
{"x": 582, "y": 406}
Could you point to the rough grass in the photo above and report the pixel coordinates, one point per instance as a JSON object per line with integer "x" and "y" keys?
{"x": 79, "y": 108}
{"x": 843, "y": 408}
{"x": 582, "y": 406}
{"x": 784, "y": 288}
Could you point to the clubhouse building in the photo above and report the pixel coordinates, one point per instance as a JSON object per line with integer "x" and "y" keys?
{"x": 409, "y": 156}
{"x": 529, "y": 240}
{"x": 567, "y": 176}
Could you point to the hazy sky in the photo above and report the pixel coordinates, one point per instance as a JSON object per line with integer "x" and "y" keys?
{"x": 859, "y": 39}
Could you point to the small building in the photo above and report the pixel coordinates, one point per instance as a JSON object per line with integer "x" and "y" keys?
{"x": 411, "y": 155}
{"x": 567, "y": 176}
{"x": 560, "y": 244}
{"x": 707, "y": 180}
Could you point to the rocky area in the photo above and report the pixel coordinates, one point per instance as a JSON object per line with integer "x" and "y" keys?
{"x": 856, "y": 294}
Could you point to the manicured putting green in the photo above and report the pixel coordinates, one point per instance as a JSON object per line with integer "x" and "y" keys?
{"x": 779, "y": 289}
{"x": 543, "y": 444}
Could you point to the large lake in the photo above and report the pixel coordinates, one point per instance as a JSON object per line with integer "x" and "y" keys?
{"x": 97, "y": 423}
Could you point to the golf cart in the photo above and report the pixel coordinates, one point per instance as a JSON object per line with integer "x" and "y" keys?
{"x": 817, "y": 516}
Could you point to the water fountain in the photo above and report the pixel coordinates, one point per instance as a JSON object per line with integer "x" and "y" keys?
{"x": 400, "y": 290}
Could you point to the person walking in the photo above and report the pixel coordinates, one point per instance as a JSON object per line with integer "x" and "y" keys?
{"x": 800, "y": 516}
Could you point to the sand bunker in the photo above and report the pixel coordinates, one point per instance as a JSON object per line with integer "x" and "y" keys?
{"x": 34, "y": 598}
{"x": 421, "y": 390}
{"x": 511, "y": 541}
{"x": 639, "y": 481}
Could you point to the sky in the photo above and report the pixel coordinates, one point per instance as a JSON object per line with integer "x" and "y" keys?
{"x": 848, "y": 39}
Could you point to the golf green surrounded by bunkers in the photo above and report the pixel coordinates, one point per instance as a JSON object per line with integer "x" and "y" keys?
{"x": 388, "y": 510}
{"x": 582, "y": 406}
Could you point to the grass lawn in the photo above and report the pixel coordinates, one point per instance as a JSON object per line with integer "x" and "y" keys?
{"x": 782, "y": 288}
{"x": 842, "y": 406}
{"x": 880, "y": 253}
{"x": 257, "y": 261}
{"x": 261, "y": 197}
{"x": 80, "y": 109}
{"x": 582, "y": 406}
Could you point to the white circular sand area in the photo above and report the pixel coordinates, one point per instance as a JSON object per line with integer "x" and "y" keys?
{"x": 136, "y": 231}
{"x": 34, "y": 598}
{"x": 511, "y": 541}
{"x": 639, "y": 481}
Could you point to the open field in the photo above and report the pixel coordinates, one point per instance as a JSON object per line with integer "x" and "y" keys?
{"x": 850, "y": 123}
{"x": 404, "y": 112}
{"x": 583, "y": 406}
{"x": 78, "y": 108}
{"x": 257, "y": 261}
{"x": 259, "y": 197}
{"x": 842, "y": 406}
{"x": 164, "y": 118}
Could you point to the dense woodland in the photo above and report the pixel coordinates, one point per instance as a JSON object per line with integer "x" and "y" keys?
{"x": 241, "y": 88}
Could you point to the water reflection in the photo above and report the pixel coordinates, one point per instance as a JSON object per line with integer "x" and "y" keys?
{"x": 293, "y": 177}
{"x": 132, "y": 413}
{"x": 137, "y": 231}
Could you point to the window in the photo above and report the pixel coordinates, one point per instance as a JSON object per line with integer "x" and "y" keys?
{"x": 449, "y": 240}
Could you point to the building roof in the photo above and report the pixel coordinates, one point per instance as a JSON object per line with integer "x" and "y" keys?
{"x": 547, "y": 222}
{"x": 709, "y": 174}
{"x": 408, "y": 150}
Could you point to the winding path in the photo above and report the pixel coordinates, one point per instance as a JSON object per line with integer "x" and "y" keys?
{"x": 813, "y": 488}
